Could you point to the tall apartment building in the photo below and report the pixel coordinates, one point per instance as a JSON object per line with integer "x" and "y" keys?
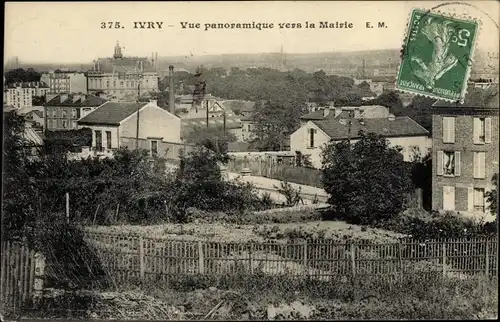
{"x": 20, "y": 95}
{"x": 65, "y": 82}
{"x": 119, "y": 77}
{"x": 465, "y": 152}
{"x": 63, "y": 110}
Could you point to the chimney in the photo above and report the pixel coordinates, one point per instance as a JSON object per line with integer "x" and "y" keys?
{"x": 171, "y": 89}
{"x": 63, "y": 97}
{"x": 357, "y": 113}
{"x": 326, "y": 111}
{"x": 392, "y": 117}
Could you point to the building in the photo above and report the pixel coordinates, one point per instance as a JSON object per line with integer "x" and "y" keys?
{"x": 65, "y": 82}
{"x": 64, "y": 110}
{"x": 465, "y": 150}
{"x": 20, "y": 95}
{"x": 122, "y": 78}
{"x": 114, "y": 125}
{"x": 36, "y": 118}
{"x": 404, "y": 132}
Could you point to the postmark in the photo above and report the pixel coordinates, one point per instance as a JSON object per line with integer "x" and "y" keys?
{"x": 437, "y": 55}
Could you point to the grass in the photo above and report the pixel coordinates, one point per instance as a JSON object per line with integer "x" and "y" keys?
{"x": 247, "y": 297}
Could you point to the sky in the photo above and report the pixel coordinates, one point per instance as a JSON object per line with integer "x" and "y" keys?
{"x": 70, "y": 32}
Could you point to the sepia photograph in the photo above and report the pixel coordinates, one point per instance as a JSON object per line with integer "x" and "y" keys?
{"x": 250, "y": 160}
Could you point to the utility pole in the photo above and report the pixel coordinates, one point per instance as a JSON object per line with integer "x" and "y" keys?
{"x": 224, "y": 125}
{"x": 206, "y": 106}
{"x": 349, "y": 125}
{"x": 138, "y": 108}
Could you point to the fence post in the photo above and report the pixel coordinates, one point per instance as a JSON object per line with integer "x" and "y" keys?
{"x": 141, "y": 258}
{"x": 201, "y": 262}
{"x": 353, "y": 260}
{"x": 250, "y": 260}
{"x": 39, "y": 275}
{"x": 444, "y": 258}
{"x": 67, "y": 207}
{"x": 487, "y": 259}
{"x": 304, "y": 257}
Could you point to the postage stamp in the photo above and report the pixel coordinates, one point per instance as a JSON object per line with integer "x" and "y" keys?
{"x": 437, "y": 55}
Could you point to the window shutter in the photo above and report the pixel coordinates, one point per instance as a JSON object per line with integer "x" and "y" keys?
{"x": 452, "y": 130}
{"x": 482, "y": 165}
{"x": 445, "y": 129}
{"x": 487, "y": 130}
{"x": 475, "y": 165}
{"x": 486, "y": 202}
{"x": 457, "y": 163}
{"x": 470, "y": 199}
{"x": 439, "y": 163}
{"x": 475, "y": 130}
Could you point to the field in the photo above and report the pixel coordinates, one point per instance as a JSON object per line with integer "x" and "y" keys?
{"x": 248, "y": 232}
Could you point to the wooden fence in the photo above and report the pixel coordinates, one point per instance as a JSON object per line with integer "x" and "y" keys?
{"x": 19, "y": 272}
{"x": 141, "y": 258}
{"x": 273, "y": 170}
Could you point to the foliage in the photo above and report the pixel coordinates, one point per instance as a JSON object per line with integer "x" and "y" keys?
{"x": 66, "y": 141}
{"x": 20, "y": 75}
{"x": 368, "y": 181}
{"x": 421, "y": 177}
{"x": 492, "y": 195}
{"x": 419, "y": 110}
{"x": 291, "y": 194}
{"x": 213, "y": 139}
{"x": 388, "y": 99}
{"x": 199, "y": 184}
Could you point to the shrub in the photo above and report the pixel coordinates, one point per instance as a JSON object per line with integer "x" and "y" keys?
{"x": 367, "y": 182}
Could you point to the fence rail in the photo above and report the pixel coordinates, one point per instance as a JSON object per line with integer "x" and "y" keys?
{"x": 138, "y": 257}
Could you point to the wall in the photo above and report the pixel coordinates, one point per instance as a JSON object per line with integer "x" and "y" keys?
{"x": 299, "y": 141}
{"x": 423, "y": 143}
{"x": 465, "y": 145}
{"x": 78, "y": 83}
{"x": 114, "y": 135}
{"x": 168, "y": 150}
{"x": 154, "y": 122}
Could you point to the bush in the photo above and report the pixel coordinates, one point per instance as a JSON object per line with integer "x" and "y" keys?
{"x": 367, "y": 182}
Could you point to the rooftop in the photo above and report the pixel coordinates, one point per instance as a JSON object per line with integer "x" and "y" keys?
{"x": 111, "y": 113}
{"x": 76, "y": 100}
{"x": 187, "y": 125}
{"x": 475, "y": 98}
{"x": 401, "y": 126}
{"x": 124, "y": 65}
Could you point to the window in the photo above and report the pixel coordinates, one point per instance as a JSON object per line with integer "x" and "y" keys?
{"x": 54, "y": 113}
{"x": 74, "y": 125}
{"x": 479, "y": 165}
{"x": 65, "y": 124}
{"x": 482, "y": 130}
{"x": 154, "y": 148}
{"x": 479, "y": 200}
{"x": 114, "y": 83}
{"x": 73, "y": 113}
{"x": 108, "y": 140}
{"x": 121, "y": 83}
{"x": 107, "y": 84}
{"x": 78, "y": 113}
{"x": 312, "y": 132}
{"x": 448, "y": 130}
{"x": 448, "y": 198}
{"x": 64, "y": 113}
{"x": 98, "y": 140}
{"x": 448, "y": 163}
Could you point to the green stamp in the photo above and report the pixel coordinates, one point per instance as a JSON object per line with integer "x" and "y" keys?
{"x": 437, "y": 56}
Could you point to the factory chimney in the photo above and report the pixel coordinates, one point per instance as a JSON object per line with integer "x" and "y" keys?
{"x": 171, "y": 89}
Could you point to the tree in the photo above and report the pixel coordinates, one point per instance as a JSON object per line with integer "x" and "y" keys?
{"x": 368, "y": 181}
{"x": 212, "y": 138}
{"x": 20, "y": 75}
{"x": 389, "y": 99}
{"x": 492, "y": 195}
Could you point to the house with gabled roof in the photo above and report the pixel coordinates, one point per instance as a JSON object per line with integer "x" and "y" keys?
{"x": 400, "y": 131}
{"x": 114, "y": 125}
